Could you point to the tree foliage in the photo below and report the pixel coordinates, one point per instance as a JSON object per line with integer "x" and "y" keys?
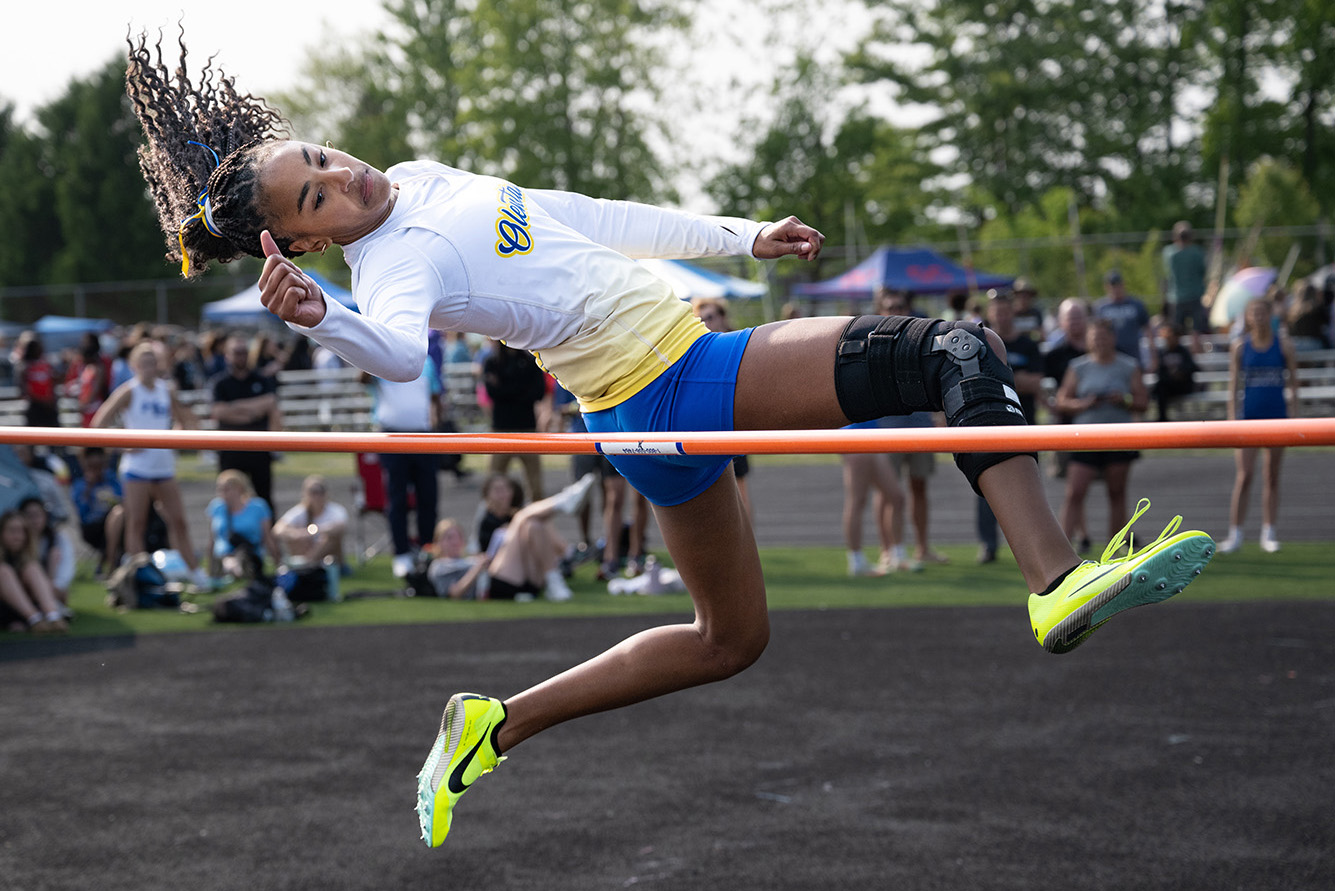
{"x": 546, "y": 92}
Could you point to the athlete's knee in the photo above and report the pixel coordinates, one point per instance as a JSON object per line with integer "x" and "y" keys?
{"x": 736, "y": 649}
{"x": 898, "y": 365}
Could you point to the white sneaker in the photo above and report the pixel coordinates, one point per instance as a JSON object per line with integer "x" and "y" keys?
{"x": 556, "y": 589}
{"x": 859, "y": 566}
{"x": 570, "y": 499}
{"x": 1232, "y": 543}
{"x": 1269, "y": 543}
{"x": 402, "y": 565}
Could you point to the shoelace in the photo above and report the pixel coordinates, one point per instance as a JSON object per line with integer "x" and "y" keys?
{"x": 1125, "y": 536}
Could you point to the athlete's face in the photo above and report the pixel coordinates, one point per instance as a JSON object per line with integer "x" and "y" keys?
{"x": 318, "y": 196}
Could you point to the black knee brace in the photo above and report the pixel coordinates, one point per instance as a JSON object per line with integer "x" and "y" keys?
{"x": 896, "y": 365}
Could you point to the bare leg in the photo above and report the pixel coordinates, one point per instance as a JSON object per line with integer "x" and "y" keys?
{"x": 1078, "y": 478}
{"x": 115, "y": 532}
{"x": 14, "y": 595}
{"x": 168, "y": 495}
{"x": 1245, "y": 460}
{"x": 1274, "y": 457}
{"x": 715, "y": 552}
{"x": 1115, "y": 477}
{"x": 857, "y": 483}
{"x": 614, "y": 500}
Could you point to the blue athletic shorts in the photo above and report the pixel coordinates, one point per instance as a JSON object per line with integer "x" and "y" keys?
{"x": 695, "y": 393}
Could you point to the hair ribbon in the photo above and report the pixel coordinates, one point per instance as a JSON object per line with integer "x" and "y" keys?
{"x": 204, "y": 214}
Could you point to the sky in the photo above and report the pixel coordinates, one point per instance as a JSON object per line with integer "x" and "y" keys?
{"x": 264, "y": 44}
{"x": 260, "y": 42}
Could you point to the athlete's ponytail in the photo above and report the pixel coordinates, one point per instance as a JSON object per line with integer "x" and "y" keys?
{"x": 205, "y": 144}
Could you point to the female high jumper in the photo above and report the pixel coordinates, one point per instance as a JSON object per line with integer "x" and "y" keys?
{"x": 552, "y": 272}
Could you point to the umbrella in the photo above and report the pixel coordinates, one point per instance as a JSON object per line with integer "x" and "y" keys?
{"x": 1242, "y": 287}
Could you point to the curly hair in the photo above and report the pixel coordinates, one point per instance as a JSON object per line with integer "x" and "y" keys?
{"x": 242, "y": 129}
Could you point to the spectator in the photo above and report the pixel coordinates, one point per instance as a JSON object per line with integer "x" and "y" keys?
{"x": 864, "y": 472}
{"x": 1066, "y": 343}
{"x": 1177, "y": 369}
{"x": 298, "y": 356}
{"x": 244, "y": 399}
{"x": 1261, "y": 370}
{"x": 1308, "y": 319}
{"x": 1102, "y": 387}
{"x": 37, "y": 383}
{"x": 90, "y": 381}
{"x": 312, "y": 531}
{"x": 97, "y": 501}
{"x": 523, "y": 555}
{"x": 1026, "y": 363}
{"x": 1028, "y": 317}
{"x": 241, "y": 525}
{"x": 452, "y": 572}
{"x": 917, "y": 466}
{"x": 515, "y": 384}
{"x": 1129, "y": 318}
{"x": 148, "y": 402}
{"x": 409, "y": 407}
{"x": 1184, "y": 284}
{"x": 713, "y": 312}
{"x": 55, "y": 551}
{"x": 27, "y": 600}
{"x": 212, "y": 353}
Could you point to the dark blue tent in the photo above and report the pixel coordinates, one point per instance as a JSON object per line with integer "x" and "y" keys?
{"x": 919, "y": 270}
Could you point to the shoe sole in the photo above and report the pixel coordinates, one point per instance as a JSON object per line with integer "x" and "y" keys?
{"x": 437, "y": 763}
{"x": 1152, "y": 579}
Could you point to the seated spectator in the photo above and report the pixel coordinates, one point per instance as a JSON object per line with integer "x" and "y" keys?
{"x": 242, "y": 528}
{"x": 523, "y": 555}
{"x": 1176, "y": 369}
{"x": 97, "y": 500}
{"x": 312, "y": 531}
{"x": 27, "y": 600}
{"x": 452, "y": 572}
{"x": 54, "y": 549}
{"x": 1308, "y": 319}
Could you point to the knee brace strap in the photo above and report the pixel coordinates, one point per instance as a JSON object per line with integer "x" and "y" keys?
{"x": 879, "y": 368}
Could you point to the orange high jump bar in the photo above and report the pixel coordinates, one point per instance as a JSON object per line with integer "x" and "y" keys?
{"x": 1057, "y": 437}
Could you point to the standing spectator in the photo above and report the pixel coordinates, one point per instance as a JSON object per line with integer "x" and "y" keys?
{"x": 148, "y": 402}
{"x": 1128, "y": 315}
{"x": 409, "y": 407}
{"x": 241, "y": 527}
{"x": 298, "y": 356}
{"x": 1184, "y": 284}
{"x": 1028, "y": 317}
{"x": 713, "y": 312}
{"x": 863, "y": 473}
{"x": 1261, "y": 368}
{"x": 1177, "y": 369}
{"x": 212, "y": 353}
{"x": 515, "y": 385}
{"x": 313, "y": 529}
{"x": 1308, "y": 319}
{"x": 1066, "y": 343}
{"x": 1026, "y": 363}
{"x": 36, "y": 379}
{"x": 91, "y": 381}
{"x": 1102, "y": 387}
{"x": 27, "y": 601}
{"x": 244, "y": 399}
{"x": 97, "y": 500}
{"x": 917, "y": 467}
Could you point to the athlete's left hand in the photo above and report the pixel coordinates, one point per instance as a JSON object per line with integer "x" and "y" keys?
{"x": 787, "y": 237}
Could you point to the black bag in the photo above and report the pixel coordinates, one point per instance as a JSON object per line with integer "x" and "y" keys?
{"x": 309, "y": 584}
{"x": 254, "y": 603}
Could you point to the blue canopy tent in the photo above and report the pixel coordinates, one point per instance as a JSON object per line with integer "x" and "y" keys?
{"x": 919, "y": 270}
{"x": 244, "y": 307}
{"x": 60, "y": 332}
{"x": 689, "y": 281}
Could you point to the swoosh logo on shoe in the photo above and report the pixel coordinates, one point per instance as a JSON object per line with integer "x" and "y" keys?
{"x": 456, "y": 782}
{"x": 1097, "y": 578}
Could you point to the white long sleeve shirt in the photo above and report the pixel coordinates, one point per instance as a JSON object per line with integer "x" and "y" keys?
{"x": 546, "y": 271}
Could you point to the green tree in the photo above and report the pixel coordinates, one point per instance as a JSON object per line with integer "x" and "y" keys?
{"x": 1274, "y": 194}
{"x": 1031, "y": 95}
{"x": 29, "y": 228}
{"x": 109, "y": 230}
{"x": 546, "y": 92}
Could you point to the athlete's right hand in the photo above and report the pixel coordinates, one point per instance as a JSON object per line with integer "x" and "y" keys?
{"x": 285, "y": 290}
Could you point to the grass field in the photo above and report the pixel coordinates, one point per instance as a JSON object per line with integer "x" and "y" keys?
{"x": 797, "y": 578}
